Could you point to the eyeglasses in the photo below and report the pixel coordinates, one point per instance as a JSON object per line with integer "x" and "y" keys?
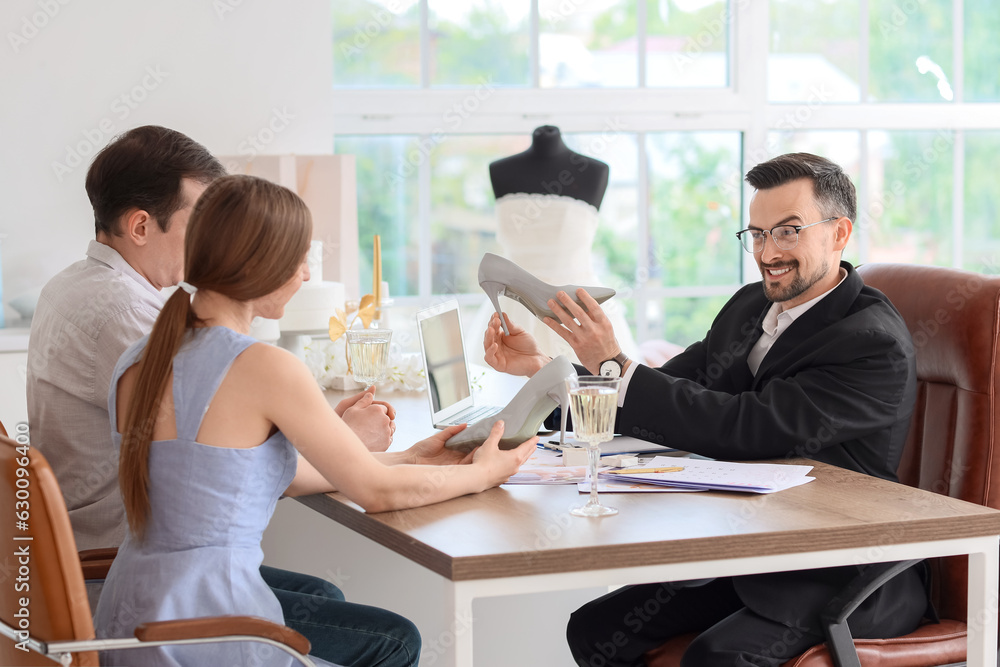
{"x": 785, "y": 237}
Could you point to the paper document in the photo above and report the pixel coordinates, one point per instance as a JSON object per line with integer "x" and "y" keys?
{"x": 548, "y": 475}
{"x": 617, "y": 486}
{"x": 716, "y": 475}
{"x": 545, "y": 467}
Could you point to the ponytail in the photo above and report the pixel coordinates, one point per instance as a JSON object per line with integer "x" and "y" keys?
{"x": 245, "y": 239}
{"x": 154, "y": 369}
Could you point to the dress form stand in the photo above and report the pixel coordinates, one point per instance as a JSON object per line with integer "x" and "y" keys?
{"x": 550, "y": 167}
{"x": 547, "y": 214}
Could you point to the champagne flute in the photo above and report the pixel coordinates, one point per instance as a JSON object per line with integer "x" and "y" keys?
{"x": 594, "y": 404}
{"x": 368, "y": 350}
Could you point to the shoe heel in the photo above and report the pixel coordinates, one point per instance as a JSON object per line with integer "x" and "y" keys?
{"x": 493, "y": 291}
{"x": 561, "y": 395}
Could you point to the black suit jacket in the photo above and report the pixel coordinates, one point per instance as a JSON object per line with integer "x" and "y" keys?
{"x": 838, "y": 386}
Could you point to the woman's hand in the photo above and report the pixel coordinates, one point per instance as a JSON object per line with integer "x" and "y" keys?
{"x": 500, "y": 464}
{"x": 371, "y": 420}
{"x": 352, "y": 400}
{"x": 432, "y": 452}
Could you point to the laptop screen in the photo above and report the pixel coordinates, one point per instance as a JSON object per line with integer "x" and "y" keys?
{"x": 444, "y": 356}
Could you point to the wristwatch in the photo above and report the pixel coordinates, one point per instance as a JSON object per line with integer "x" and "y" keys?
{"x": 612, "y": 368}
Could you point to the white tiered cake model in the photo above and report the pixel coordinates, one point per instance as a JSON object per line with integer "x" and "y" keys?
{"x": 317, "y": 300}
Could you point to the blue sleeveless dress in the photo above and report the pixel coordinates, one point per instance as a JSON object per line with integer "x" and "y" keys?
{"x": 208, "y": 509}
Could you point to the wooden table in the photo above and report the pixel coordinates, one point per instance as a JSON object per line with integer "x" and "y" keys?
{"x": 522, "y": 539}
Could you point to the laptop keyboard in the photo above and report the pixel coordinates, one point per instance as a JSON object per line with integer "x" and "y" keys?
{"x": 473, "y": 415}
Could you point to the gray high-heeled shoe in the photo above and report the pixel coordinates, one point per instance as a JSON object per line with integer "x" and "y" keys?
{"x": 526, "y": 411}
{"x": 498, "y": 275}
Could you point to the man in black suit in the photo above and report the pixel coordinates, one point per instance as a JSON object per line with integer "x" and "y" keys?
{"x": 809, "y": 362}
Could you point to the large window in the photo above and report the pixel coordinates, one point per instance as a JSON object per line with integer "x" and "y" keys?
{"x": 679, "y": 98}
{"x": 478, "y": 39}
{"x": 815, "y": 50}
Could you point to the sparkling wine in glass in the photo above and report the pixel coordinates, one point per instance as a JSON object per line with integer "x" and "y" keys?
{"x": 368, "y": 350}
{"x": 593, "y": 403}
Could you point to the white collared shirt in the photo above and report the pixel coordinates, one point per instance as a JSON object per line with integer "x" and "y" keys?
{"x": 87, "y": 315}
{"x": 777, "y": 320}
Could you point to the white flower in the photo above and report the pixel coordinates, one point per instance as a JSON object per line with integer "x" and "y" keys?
{"x": 406, "y": 373}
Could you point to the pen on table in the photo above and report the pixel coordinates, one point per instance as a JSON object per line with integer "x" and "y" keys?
{"x": 636, "y": 471}
{"x": 551, "y": 444}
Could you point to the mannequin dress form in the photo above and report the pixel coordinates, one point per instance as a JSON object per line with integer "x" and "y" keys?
{"x": 547, "y": 203}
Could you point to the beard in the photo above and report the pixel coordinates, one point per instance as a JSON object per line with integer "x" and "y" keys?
{"x": 799, "y": 284}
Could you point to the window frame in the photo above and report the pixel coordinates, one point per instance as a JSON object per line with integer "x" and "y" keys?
{"x": 430, "y": 113}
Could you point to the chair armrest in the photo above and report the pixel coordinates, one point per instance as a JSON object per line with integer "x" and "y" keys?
{"x": 98, "y": 554}
{"x": 97, "y": 562}
{"x": 222, "y": 626}
{"x": 834, "y": 616}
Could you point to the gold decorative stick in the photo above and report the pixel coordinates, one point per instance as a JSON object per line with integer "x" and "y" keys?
{"x": 377, "y": 275}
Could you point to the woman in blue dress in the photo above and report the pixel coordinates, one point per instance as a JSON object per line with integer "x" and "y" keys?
{"x": 213, "y": 427}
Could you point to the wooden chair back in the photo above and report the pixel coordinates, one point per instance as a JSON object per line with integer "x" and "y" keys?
{"x": 42, "y": 562}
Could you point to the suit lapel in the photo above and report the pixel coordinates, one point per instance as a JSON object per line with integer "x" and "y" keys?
{"x": 739, "y": 372}
{"x": 830, "y": 309}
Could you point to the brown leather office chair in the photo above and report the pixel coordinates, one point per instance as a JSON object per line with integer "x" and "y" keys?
{"x": 954, "y": 319}
{"x": 45, "y": 571}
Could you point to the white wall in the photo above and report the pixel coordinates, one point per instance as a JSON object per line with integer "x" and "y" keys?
{"x": 221, "y": 76}
{"x": 221, "y": 71}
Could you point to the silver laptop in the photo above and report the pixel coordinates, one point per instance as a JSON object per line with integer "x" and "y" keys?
{"x": 449, "y": 388}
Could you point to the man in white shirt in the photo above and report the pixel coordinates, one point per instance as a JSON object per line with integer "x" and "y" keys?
{"x": 88, "y": 314}
{"x": 142, "y": 187}
{"x": 810, "y": 362}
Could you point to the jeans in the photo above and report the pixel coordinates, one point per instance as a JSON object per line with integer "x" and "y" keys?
{"x": 342, "y": 632}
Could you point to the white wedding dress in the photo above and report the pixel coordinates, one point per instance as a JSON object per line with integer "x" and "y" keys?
{"x": 551, "y": 237}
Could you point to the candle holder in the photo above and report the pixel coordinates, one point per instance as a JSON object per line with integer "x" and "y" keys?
{"x": 368, "y": 311}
